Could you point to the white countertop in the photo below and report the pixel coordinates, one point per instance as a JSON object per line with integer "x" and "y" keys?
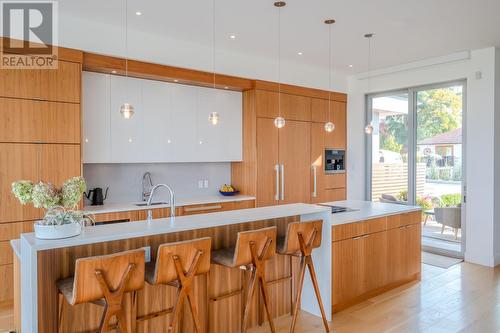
{"x": 179, "y": 202}
{"x": 117, "y": 231}
{"x": 364, "y": 210}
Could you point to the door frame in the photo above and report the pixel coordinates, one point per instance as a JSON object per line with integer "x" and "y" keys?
{"x": 412, "y": 139}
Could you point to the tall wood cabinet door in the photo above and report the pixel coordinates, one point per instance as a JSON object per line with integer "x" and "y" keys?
{"x": 396, "y": 255}
{"x": 59, "y": 163}
{"x": 319, "y": 110}
{"x": 375, "y": 260}
{"x": 317, "y": 162}
{"x": 296, "y": 107}
{"x": 294, "y": 156}
{"x": 18, "y": 162}
{"x": 20, "y": 83}
{"x": 267, "y": 163}
{"x": 62, "y": 84}
{"x": 337, "y": 138}
{"x": 413, "y": 248}
{"x": 96, "y": 118}
{"x": 347, "y": 269}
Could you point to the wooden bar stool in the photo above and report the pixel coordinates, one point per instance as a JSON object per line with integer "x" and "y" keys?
{"x": 176, "y": 265}
{"x": 301, "y": 238}
{"x": 252, "y": 249}
{"x": 104, "y": 280}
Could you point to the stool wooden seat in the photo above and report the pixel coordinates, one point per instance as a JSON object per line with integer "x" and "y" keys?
{"x": 301, "y": 238}
{"x": 104, "y": 280}
{"x": 251, "y": 251}
{"x": 176, "y": 265}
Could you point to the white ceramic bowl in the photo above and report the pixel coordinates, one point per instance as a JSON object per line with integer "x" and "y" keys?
{"x": 57, "y": 231}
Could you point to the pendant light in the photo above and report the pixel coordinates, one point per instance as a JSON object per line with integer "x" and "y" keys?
{"x": 279, "y": 121}
{"x": 213, "y": 117}
{"x": 369, "y": 126}
{"x": 329, "y": 125}
{"x": 126, "y": 109}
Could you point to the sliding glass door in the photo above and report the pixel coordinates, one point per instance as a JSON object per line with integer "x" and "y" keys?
{"x": 416, "y": 156}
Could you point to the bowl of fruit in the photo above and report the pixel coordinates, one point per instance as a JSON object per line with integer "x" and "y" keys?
{"x": 228, "y": 190}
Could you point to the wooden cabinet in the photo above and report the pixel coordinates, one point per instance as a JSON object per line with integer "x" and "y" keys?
{"x": 170, "y": 123}
{"x": 283, "y": 162}
{"x": 336, "y": 113}
{"x": 61, "y": 84}
{"x": 215, "y": 207}
{"x": 127, "y": 216}
{"x": 325, "y": 187}
{"x": 46, "y": 162}
{"x": 368, "y": 258}
{"x": 293, "y": 107}
{"x": 37, "y": 121}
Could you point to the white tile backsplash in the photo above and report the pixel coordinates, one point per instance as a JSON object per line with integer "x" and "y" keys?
{"x": 125, "y": 180}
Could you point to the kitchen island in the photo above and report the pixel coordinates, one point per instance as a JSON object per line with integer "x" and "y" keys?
{"x": 363, "y": 252}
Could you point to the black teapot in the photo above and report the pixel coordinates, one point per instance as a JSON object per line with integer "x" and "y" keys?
{"x": 97, "y": 197}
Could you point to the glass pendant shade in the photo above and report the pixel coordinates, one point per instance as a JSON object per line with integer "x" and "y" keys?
{"x": 279, "y": 122}
{"x": 329, "y": 127}
{"x": 127, "y": 110}
{"x": 214, "y": 118}
{"x": 369, "y": 129}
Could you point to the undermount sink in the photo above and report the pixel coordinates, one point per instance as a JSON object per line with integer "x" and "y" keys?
{"x": 142, "y": 204}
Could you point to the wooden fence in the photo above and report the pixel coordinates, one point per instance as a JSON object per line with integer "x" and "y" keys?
{"x": 392, "y": 178}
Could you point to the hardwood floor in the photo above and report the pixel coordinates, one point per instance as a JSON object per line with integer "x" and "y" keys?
{"x": 463, "y": 298}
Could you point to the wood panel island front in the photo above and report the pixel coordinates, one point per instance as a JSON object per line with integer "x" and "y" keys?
{"x": 361, "y": 254}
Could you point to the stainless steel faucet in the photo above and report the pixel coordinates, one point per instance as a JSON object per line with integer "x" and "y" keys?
{"x": 146, "y": 193}
{"x": 172, "y": 200}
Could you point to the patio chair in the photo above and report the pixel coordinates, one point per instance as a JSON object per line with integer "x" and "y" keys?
{"x": 389, "y": 198}
{"x": 449, "y": 217}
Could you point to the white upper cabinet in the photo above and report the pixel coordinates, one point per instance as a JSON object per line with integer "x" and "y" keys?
{"x": 170, "y": 123}
{"x": 127, "y": 135}
{"x": 96, "y": 122}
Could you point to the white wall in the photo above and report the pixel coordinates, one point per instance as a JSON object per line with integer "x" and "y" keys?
{"x": 125, "y": 180}
{"x": 480, "y": 134}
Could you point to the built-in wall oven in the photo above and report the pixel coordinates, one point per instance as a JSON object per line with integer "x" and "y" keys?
{"x": 334, "y": 161}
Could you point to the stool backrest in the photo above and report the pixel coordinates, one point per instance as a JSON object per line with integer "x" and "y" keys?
{"x": 186, "y": 251}
{"x": 113, "y": 267}
{"x": 242, "y": 253}
{"x": 307, "y": 229}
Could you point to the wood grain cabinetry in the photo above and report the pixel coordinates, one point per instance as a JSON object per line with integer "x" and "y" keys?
{"x": 336, "y": 112}
{"x": 283, "y": 162}
{"x": 293, "y": 107}
{"x": 325, "y": 187}
{"x": 139, "y": 215}
{"x": 371, "y": 257}
{"x": 60, "y": 85}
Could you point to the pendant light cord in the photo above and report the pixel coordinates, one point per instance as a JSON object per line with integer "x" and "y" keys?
{"x": 279, "y": 61}
{"x": 329, "y": 70}
{"x": 213, "y": 41}
{"x": 126, "y": 38}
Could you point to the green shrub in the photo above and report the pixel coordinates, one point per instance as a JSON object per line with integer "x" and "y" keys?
{"x": 451, "y": 200}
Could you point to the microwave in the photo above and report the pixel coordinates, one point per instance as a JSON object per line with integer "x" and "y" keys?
{"x": 334, "y": 161}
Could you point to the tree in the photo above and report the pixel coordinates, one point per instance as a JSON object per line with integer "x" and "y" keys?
{"x": 439, "y": 111}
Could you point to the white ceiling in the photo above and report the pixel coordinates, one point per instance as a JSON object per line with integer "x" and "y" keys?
{"x": 406, "y": 30}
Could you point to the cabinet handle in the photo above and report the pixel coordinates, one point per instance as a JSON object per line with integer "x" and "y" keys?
{"x": 315, "y": 176}
{"x": 197, "y": 209}
{"x": 277, "y": 190}
{"x": 282, "y": 182}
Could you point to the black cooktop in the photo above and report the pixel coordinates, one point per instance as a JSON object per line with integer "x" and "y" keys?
{"x": 338, "y": 209}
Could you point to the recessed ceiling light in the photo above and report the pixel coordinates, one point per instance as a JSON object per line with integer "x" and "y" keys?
{"x": 138, "y": 13}
{"x": 299, "y": 53}
{"x": 233, "y": 36}
{"x": 350, "y": 66}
